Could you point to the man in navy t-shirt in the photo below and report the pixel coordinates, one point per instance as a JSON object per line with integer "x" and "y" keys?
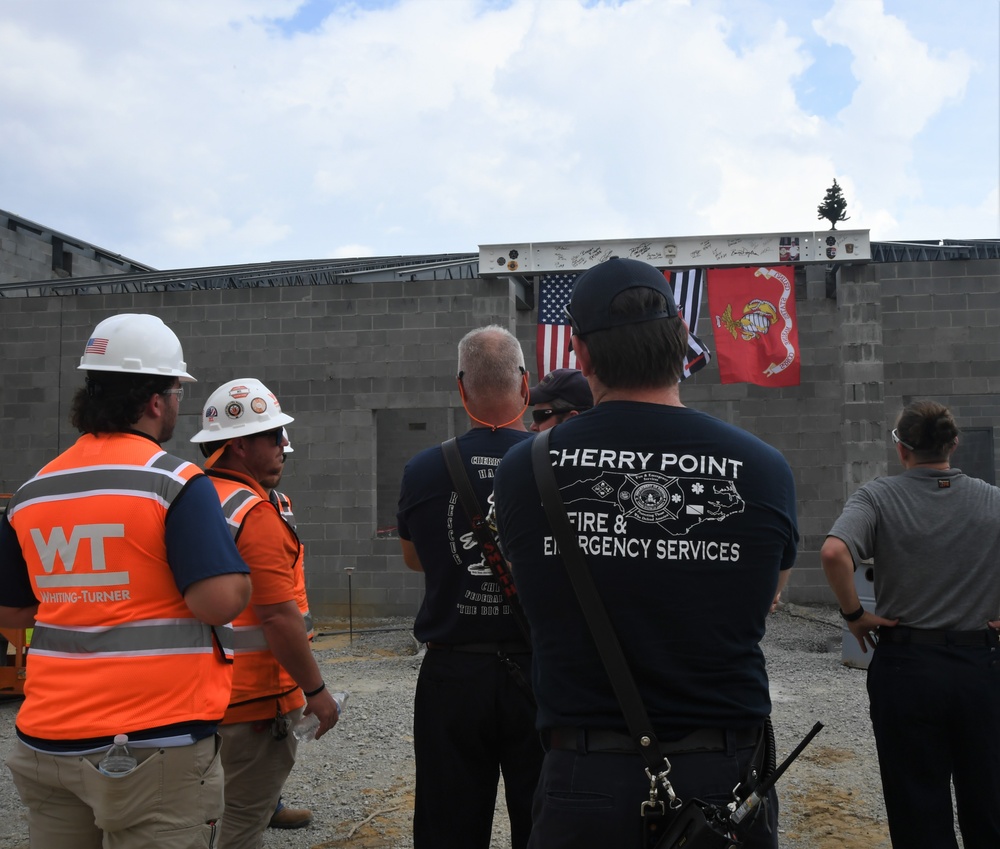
{"x": 688, "y": 527}
{"x": 473, "y": 713}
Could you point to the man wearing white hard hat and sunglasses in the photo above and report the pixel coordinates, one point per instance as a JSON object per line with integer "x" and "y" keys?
{"x": 276, "y": 677}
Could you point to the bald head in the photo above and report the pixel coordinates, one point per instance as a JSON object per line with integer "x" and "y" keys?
{"x": 491, "y": 365}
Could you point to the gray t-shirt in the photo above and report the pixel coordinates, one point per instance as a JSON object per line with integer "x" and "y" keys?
{"x": 935, "y": 539}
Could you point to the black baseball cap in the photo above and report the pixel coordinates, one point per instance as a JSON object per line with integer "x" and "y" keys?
{"x": 563, "y": 388}
{"x": 590, "y": 304}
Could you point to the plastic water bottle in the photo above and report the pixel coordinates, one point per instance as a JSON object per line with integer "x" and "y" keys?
{"x": 118, "y": 761}
{"x": 305, "y": 729}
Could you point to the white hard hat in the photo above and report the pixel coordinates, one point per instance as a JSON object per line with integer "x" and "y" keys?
{"x": 288, "y": 445}
{"x": 240, "y": 408}
{"x": 135, "y": 343}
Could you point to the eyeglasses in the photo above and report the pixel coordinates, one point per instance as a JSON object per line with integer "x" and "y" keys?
{"x": 179, "y": 392}
{"x": 278, "y": 435}
{"x": 898, "y": 441}
{"x": 539, "y": 416}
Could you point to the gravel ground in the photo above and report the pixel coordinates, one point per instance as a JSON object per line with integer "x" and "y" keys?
{"x": 358, "y": 779}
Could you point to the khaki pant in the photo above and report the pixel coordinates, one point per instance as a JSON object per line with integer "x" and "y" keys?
{"x": 171, "y": 800}
{"x": 256, "y": 766}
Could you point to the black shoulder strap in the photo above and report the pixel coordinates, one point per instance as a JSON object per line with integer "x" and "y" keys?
{"x": 484, "y": 536}
{"x": 593, "y": 608}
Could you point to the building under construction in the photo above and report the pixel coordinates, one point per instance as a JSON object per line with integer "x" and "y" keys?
{"x": 362, "y": 352}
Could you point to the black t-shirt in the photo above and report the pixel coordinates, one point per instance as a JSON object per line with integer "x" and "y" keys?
{"x": 684, "y": 521}
{"x": 463, "y": 602}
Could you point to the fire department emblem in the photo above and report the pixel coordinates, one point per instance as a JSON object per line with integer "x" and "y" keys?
{"x": 650, "y": 497}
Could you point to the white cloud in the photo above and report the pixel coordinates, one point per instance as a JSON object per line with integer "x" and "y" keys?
{"x": 181, "y": 133}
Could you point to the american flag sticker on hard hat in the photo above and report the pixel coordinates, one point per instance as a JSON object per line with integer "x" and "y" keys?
{"x": 96, "y": 345}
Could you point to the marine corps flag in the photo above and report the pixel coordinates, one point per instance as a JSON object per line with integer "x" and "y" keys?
{"x": 756, "y": 333}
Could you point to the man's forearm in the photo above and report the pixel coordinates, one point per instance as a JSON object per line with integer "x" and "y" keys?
{"x": 838, "y": 566}
{"x": 286, "y": 635}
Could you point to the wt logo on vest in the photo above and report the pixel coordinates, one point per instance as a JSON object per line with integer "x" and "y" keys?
{"x": 58, "y": 545}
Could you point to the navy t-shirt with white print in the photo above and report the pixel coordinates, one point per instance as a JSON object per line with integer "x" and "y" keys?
{"x": 463, "y": 602}
{"x": 685, "y": 522}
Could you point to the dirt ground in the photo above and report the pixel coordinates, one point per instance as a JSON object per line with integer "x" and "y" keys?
{"x": 358, "y": 780}
{"x": 830, "y": 797}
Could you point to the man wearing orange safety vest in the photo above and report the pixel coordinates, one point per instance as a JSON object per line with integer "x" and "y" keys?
{"x": 242, "y": 438}
{"x": 119, "y": 556}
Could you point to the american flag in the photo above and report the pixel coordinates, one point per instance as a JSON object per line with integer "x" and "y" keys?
{"x": 554, "y": 332}
{"x": 553, "y": 326}
{"x": 96, "y": 345}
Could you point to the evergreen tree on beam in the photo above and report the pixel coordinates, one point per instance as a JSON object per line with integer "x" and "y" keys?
{"x": 834, "y": 206}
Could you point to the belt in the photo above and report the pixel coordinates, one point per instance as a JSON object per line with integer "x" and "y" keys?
{"x": 601, "y": 740}
{"x": 483, "y": 648}
{"x": 902, "y": 635}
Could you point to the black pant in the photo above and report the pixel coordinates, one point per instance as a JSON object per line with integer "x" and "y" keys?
{"x": 936, "y": 716}
{"x": 591, "y": 800}
{"x": 471, "y": 721}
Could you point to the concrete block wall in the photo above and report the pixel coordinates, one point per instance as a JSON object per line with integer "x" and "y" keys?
{"x": 29, "y": 253}
{"x": 25, "y": 257}
{"x": 336, "y": 356}
{"x": 368, "y": 371}
{"x": 939, "y": 326}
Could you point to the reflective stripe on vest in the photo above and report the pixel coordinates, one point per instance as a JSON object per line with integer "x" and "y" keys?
{"x": 105, "y": 480}
{"x": 248, "y": 638}
{"x": 284, "y": 505}
{"x": 150, "y": 638}
{"x": 236, "y": 505}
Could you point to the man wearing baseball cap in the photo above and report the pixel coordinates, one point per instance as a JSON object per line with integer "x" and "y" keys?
{"x": 685, "y": 523}
{"x": 560, "y": 395}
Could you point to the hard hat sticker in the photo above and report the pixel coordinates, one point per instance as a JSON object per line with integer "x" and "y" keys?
{"x": 211, "y": 414}
{"x": 239, "y": 392}
{"x": 234, "y": 409}
{"x": 258, "y": 405}
{"x": 96, "y": 345}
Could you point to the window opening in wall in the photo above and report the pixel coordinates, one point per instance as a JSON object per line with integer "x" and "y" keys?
{"x": 974, "y": 454}
{"x": 400, "y": 434}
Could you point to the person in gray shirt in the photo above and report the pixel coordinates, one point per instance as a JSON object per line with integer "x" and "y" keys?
{"x": 934, "y": 682}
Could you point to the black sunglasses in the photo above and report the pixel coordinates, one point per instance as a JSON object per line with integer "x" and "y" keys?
{"x": 539, "y": 416}
{"x": 278, "y": 435}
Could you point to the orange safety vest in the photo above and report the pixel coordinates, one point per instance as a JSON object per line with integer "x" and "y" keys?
{"x": 115, "y": 648}
{"x": 258, "y": 678}
{"x": 284, "y": 505}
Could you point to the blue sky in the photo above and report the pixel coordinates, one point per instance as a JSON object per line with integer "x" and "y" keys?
{"x": 181, "y": 133}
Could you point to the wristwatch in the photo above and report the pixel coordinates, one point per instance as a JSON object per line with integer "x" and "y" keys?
{"x": 853, "y": 617}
